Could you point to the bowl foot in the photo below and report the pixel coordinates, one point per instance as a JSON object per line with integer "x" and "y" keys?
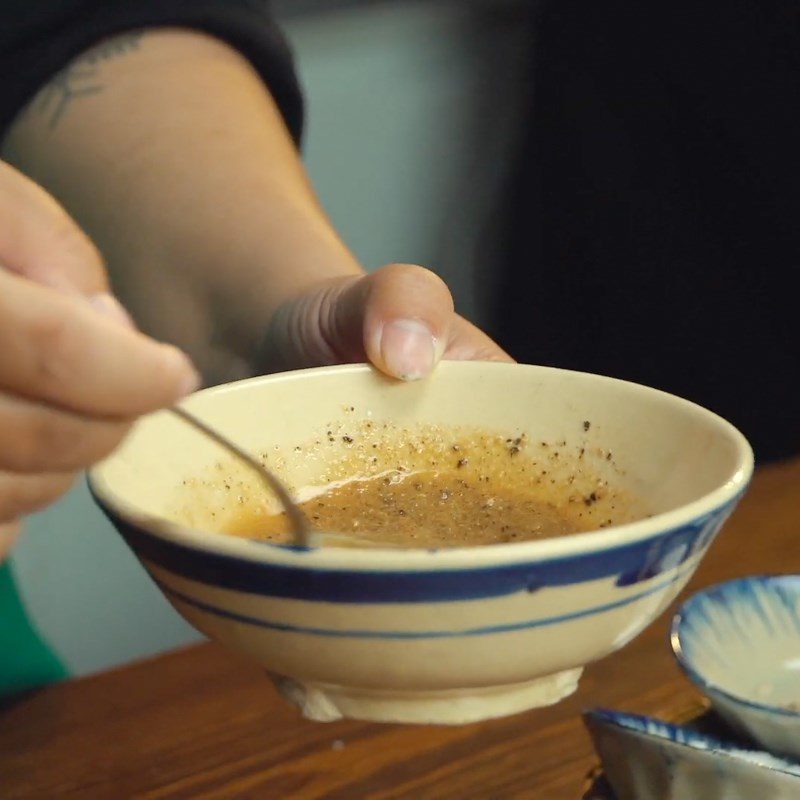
{"x": 326, "y": 702}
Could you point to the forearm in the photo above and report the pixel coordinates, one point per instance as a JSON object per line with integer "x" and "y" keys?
{"x": 180, "y": 168}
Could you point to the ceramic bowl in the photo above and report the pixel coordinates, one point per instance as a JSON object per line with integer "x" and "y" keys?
{"x": 646, "y": 759}
{"x": 448, "y": 635}
{"x": 740, "y": 644}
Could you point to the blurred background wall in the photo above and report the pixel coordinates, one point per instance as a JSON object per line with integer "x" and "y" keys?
{"x": 412, "y": 109}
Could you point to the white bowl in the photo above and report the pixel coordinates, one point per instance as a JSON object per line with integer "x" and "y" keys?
{"x": 740, "y": 644}
{"x": 646, "y": 759}
{"x": 449, "y": 635}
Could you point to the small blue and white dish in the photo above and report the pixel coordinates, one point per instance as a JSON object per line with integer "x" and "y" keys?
{"x": 739, "y": 642}
{"x": 646, "y": 759}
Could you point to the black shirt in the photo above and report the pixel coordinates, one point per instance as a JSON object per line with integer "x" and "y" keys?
{"x": 39, "y": 37}
{"x": 654, "y": 225}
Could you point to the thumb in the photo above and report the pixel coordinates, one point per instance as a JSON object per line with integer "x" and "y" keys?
{"x": 398, "y": 317}
{"x": 407, "y": 315}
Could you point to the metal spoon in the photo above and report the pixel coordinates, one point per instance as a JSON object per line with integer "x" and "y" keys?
{"x": 301, "y": 528}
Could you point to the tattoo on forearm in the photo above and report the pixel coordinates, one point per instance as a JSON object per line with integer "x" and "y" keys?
{"x": 81, "y": 78}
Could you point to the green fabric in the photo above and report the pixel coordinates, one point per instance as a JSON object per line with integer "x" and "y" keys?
{"x": 25, "y": 660}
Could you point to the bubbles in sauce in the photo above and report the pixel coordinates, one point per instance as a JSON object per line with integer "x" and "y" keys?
{"x": 420, "y": 509}
{"x": 426, "y": 486}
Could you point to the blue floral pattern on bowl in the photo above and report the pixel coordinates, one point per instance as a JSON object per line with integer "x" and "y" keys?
{"x": 739, "y": 642}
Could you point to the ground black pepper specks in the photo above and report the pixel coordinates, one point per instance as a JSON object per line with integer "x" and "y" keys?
{"x": 485, "y": 487}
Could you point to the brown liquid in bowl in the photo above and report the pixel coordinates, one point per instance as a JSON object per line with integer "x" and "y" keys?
{"x": 424, "y": 509}
{"x": 427, "y": 487}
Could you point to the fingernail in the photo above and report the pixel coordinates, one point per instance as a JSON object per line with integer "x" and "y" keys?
{"x": 179, "y": 360}
{"x": 108, "y": 305}
{"x": 408, "y": 349}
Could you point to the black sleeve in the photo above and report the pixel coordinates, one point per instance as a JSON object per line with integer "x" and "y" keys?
{"x": 40, "y": 37}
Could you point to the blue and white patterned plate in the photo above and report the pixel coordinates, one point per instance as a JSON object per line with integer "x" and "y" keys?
{"x": 739, "y": 642}
{"x": 646, "y": 759}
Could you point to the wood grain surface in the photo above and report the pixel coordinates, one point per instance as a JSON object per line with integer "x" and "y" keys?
{"x": 203, "y": 723}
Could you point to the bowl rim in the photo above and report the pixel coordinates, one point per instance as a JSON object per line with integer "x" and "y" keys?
{"x": 388, "y": 559}
{"x": 709, "y": 687}
{"x": 716, "y": 746}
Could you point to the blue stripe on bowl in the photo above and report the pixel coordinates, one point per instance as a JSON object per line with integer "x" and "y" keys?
{"x": 356, "y": 633}
{"x": 638, "y": 561}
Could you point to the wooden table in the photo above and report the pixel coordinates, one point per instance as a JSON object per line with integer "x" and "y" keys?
{"x": 202, "y": 723}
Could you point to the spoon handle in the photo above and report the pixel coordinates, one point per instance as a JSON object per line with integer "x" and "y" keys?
{"x": 293, "y": 512}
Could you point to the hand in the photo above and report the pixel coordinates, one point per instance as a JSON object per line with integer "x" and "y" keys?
{"x": 400, "y": 318}
{"x": 74, "y": 373}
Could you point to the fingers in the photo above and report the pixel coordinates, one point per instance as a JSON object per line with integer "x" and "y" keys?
{"x": 24, "y": 494}
{"x": 74, "y": 372}
{"x": 38, "y": 438}
{"x": 39, "y": 240}
{"x": 9, "y": 533}
{"x": 63, "y": 351}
